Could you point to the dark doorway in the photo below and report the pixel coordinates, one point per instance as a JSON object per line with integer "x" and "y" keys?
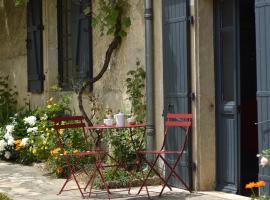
{"x": 249, "y": 134}
{"x": 235, "y": 60}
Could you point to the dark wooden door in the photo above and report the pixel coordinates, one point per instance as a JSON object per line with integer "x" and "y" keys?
{"x": 227, "y": 95}
{"x": 262, "y": 14}
{"x": 176, "y": 75}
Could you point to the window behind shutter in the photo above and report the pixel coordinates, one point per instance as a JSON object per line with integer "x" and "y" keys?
{"x": 81, "y": 41}
{"x": 34, "y": 46}
{"x": 75, "y": 43}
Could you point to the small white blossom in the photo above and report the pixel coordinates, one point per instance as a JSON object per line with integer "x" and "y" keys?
{"x": 32, "y": 130}
{"x": 3, "y": 144}
{"x": 42, "y": 137}
{"x": 44, "y": 117}
{"x": 9, "y": 129}
{"x": 7, "y": 136}
{"x": 31, "y": 120}
{"x": 7, "y": 155}
{"x": 24, "y": 141}
{"x": 11, "y": 141}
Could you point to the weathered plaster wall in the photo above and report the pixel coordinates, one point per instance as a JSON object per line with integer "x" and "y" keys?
{"x": 111, "y": 88}
{"x": 12, "y": 45}
{"x": 203, "y": 84}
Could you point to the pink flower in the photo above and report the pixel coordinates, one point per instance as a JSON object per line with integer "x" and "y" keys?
{"x": 264, "y": 161}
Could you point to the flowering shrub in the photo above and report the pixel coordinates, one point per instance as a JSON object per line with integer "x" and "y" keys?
{"x": 29, "y": 137}
{"x": 264, "y": 157}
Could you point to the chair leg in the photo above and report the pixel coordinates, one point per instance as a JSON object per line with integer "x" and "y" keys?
{"x": 91, "y": 179}
{"x": 77, "y": 183}
{"x": 99, "y": 165}
{"x": 172, "y": 171}
{"x": 64, "y": 185}
{"x": 152, "y": 166}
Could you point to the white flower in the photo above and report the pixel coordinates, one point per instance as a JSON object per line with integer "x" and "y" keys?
{"x": 31, "y": 120}
{"x": 11, "y": 141}
{"x": 7, "y": 136}
{"x": 44, "y": 117}
{"x": 3, "y": 144}
{"x": 32, "y": 130}
{"x": 42, "y": 137}
{"x": 24, "y": 141}
{"x": 7, "y": 155}
{"x": 9, "y": 129}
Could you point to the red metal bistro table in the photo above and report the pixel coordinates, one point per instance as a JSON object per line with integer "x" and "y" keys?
{"x": 98, "y": 132}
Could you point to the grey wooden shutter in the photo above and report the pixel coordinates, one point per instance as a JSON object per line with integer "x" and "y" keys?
{"x": 34, "y": 46}
{"x": 176, "y": 76}
{"x": 262, "y": 11}
{"x": 81, "y": 41}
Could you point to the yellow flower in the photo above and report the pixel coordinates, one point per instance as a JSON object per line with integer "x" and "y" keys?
{"x": 49, "y": 106}
{"x": 55, "y": 151}
{"x": 34, "y": 151}
{"x": 59, "y": 170}
{"x": 75, "y": 151}
{"x": 61, "y": 131}
{"x": 18, "y": 145}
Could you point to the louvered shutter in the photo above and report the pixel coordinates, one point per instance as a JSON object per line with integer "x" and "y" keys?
{"x": 176, "y": 78}
{"x": 262, "y": 10}
{"x": 34, "y": 46}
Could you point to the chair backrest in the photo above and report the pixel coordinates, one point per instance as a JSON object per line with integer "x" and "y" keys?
{"x": 68, "y": 122}
{"x": 178, "y": 120}
{"x": 182, "y": 120}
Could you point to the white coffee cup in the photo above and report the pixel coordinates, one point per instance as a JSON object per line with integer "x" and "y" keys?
{"x": 108, "y": 122}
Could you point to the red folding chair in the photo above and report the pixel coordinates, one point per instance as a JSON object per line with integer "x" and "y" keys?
{"x": 182, "y": 121}
{"x": 72, "y": 159}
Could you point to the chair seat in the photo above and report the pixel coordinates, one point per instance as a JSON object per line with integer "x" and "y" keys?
{"x": 84, "y": 153}
{"x": 159, "y": 152}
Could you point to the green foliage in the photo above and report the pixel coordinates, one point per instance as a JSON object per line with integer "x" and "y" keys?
{"x": 123, "y": 147}
{"x": 107, "y": 15}
{"x": 136, "y": 92}
{"x": 20, "y": 2}
{"x": 8, "y": 100}
{"x": 4, "y": 197}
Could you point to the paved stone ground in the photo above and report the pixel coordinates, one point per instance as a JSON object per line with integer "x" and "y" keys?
{"x": 29, "y": 183}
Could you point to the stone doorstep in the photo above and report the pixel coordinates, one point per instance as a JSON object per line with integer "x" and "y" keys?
{"x": 224, "y": 195}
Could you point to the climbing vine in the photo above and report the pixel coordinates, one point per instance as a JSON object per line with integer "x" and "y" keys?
{"x": 112, "y": 19}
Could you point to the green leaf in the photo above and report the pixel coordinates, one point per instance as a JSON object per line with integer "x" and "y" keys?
{"x": 126, "y": 22}
{"x": 94, "y": 22}
{"x": 122, "y": 34}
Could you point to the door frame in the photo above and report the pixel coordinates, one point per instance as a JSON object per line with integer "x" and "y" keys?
{"x": 237, "y": 92}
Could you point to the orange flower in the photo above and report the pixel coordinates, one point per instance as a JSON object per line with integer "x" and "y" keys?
{"x": 250, "y": 185}
{"x": 59, "y": 170}
{"x": 260, "y": 184}
{"x": 18, "y": 145}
